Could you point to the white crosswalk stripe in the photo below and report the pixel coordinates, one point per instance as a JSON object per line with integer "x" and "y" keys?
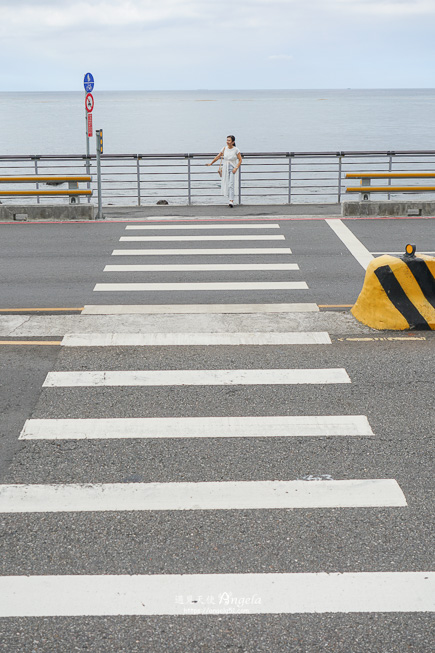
{"x": 242, "y": 495}
{"x": 197, "y": 427}
{"x": 198, "y": 227}
{"x": 166, "y": 309}
{"x": 229, "y": 251}
{"x": 195, "y": 377}
{"x": 93, "y": 595}
{"x": 212, "y": 286}
{"x": 234, "y": 237}
{"x": 211, "y": 267}
{"x": 195, "y": 339}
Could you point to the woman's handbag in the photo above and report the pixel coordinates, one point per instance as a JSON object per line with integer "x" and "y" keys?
{"x": 220, "y": 166}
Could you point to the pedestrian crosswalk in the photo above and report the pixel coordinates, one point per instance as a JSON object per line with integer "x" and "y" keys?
{"x": 204, "y": 262}
{"x": 84, "y": 370}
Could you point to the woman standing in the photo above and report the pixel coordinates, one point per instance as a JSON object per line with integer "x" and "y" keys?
{"x": 232, "y": 160}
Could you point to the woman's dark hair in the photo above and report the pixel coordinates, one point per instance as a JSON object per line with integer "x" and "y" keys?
{"x": 233, "y": 138}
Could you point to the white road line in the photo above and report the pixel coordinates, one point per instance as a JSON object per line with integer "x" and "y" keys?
{"x": 192, "y": 238}
{"x": 221, "y": 495}
{"x": 210, "y": 267}
{"x": 164, "y": 594}
{"x": 224, "y": 285}
{"x": 195, "y": 338}
{"x": 195, "y": 377}
{"x": 155, "y": 227}
{"x": 197, "y": 427}
{"x": 121, "y": 309}
{"x": 355, "y": 247}
{"x": 202, "y": 252}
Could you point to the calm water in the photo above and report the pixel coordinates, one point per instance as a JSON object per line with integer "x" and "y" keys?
{"x": 198, "y": 121}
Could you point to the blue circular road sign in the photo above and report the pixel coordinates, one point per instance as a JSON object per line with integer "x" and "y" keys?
{"x": 88, "y": 83}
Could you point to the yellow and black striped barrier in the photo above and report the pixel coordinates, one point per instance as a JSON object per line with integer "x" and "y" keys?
{"x": 398, "y": 293}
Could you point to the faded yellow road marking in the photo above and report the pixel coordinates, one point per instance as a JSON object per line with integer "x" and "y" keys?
{"x": 371, "y": 339}
{"x": 30, "y": 342}
{"x": 17, "y": 310}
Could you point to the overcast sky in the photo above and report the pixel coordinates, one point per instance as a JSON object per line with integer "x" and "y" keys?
{"x": 216, "y": 44}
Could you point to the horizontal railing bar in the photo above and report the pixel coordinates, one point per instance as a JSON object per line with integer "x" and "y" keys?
{"x": 344, "y": 153}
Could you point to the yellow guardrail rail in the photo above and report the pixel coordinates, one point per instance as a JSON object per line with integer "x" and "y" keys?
{"x": 390, "y": 175}
{"x": 73, "y": 191}
{"x": 12, "y": 179}
{"x": 366, "y": 188}
{"x": 389, "y": 189}
{"x": 53, "y": 193}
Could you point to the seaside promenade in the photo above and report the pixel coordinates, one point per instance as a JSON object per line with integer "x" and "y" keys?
{"x": 200, "y": 448}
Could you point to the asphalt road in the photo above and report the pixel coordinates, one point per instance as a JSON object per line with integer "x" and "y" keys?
{"x": 57, "y": 266}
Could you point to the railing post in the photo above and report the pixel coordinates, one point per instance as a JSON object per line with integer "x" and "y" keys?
{"x": 138, "y": 179}
{"x": 88, "y": 172}
{"x": 289, "y": 178}
{"x": 240, "y": 184}
{"x": 339, "y": 180}
{"x": 37, "y": 185}
{"x": 99, "y": 189}
{"x": 189, "y": 185}
{"x": 390, "y": 167}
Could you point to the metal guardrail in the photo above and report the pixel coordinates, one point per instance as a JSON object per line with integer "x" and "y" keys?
{"x": 265, "y": 177}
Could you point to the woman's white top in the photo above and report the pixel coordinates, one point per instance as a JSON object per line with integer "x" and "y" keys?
{"x": 230, "y": 155}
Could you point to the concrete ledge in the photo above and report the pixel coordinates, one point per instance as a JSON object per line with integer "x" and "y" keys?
{"x": 59, "y": 325}
{"x": 373, "y": 208}
{"x": 45, "y": 212}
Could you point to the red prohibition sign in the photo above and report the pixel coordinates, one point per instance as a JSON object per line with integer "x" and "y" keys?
{"x": 89, "y": 102}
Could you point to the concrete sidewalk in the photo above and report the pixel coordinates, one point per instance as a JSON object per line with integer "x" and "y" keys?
{"x": 221, "y": 211}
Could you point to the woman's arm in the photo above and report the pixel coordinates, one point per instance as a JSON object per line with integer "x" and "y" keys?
{"x": 217, "y": 157}
{"x": 239, "y": 156}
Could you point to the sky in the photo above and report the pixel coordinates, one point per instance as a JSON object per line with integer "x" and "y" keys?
{"x": 48, "y": 45}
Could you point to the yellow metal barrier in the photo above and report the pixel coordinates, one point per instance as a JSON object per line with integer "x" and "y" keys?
{"x": 26, "y": 193}
{"x": 72, "y": 191}
{"x": 390, "y": 175}
{"x": 389, "y": 189}
{"x": 43, "y": 179}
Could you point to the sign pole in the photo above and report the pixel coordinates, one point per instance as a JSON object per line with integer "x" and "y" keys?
{"x": 88, "y": 83}
{"x": 99, "y": 140}
{"x": 88, "y": 162}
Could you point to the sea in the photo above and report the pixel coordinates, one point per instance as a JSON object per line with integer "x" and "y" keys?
{"x": 199, "y": 121}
